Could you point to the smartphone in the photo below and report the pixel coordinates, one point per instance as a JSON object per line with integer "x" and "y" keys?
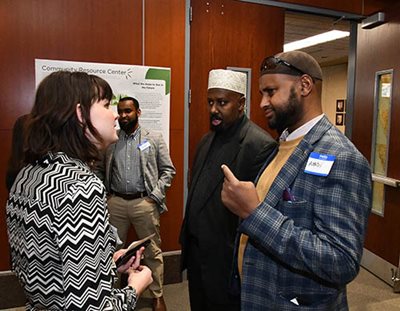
{"x": 132, "y": 249}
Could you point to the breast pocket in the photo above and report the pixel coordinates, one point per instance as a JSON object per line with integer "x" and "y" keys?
{"x": 299, "y": 211}
{"x": 149, "y": 151}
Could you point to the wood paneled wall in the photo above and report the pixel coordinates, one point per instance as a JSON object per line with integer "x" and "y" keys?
{"x": 103, "y": 31}
{"x": 377, "y": 50}
{"x": 95, "y": 31}
{"x": 165, "y": 46}
{"x": 229, "y": 33}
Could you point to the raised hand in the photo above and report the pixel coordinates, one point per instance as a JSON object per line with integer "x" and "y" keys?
{"x": 240, "y": 197}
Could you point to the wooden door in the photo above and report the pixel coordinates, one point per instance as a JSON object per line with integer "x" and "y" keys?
{"x": 228, "y": 33}
{"x": 377, "y": 54}
{"x": 93, "y": 31}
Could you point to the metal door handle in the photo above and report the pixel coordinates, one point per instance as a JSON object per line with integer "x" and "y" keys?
{"x": 386, "y": 180}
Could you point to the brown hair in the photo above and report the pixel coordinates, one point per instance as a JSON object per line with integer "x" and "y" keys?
{"x": 54, "y": 125}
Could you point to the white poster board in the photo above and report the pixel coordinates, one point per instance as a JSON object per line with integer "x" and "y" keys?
{"x": 149, "y": 85}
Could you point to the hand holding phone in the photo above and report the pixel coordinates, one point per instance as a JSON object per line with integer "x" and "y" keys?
{"x": 132, "y": 249}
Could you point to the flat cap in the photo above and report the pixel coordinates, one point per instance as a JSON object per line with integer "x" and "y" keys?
{"x": 228, "y": 80}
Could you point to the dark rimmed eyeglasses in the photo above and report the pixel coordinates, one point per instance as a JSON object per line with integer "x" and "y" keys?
{"x": 271, "y": 62}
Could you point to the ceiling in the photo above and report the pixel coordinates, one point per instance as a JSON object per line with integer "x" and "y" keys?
{"x": 299, "y": 26}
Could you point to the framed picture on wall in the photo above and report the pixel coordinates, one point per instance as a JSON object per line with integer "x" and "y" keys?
{"x": 339, "y": 119}
{"x": 340, "y": 103}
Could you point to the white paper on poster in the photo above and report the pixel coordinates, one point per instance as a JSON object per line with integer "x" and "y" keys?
{"x": 149, "y": 85}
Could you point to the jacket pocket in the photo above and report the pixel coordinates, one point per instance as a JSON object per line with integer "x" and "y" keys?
{"x": 300, "y": 211}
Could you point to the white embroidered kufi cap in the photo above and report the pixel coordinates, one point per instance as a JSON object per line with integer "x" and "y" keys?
{"x": 228, "y": 80}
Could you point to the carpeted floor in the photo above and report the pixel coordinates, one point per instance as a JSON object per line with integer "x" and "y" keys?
{"x": 365, "y": 293}
{"x": 368, "y": 293}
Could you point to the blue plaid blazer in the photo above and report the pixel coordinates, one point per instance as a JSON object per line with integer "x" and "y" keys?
{"x": 310, "y": 248}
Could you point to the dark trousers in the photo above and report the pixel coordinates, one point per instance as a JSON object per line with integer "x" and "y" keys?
{"x": 197, "y": 291}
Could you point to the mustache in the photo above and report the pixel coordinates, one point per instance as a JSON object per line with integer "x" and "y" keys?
{"x": 123, "y": 122}
{"x": 268, "y": 107}
{"x": 215, "y": 117}
{"x": 127, "y": 123}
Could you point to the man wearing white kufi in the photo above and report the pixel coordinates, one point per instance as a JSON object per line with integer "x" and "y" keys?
{"x": 209, "y": 229}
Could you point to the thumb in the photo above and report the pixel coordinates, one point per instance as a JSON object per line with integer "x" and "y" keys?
{"x": 228, "y": 173}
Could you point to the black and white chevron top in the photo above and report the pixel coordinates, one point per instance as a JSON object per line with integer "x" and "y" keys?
{"x": 60, "y": 238}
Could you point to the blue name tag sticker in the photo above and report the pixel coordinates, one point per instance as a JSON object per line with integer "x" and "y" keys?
{"x": 319, "y": 164}
{"x": 144, "y": 145}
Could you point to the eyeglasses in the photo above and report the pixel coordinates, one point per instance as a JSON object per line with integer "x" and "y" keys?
{"x": 271, "y": 62}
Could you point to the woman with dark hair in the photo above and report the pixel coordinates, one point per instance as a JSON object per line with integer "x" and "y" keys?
{"x": 62, "y": 245}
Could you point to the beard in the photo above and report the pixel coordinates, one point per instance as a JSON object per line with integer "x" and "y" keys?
{"x": 128, "y": 126}
{"x": 287, "y": 115}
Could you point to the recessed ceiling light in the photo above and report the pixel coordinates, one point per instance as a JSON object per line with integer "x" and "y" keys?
{"x": 314, "y": 40}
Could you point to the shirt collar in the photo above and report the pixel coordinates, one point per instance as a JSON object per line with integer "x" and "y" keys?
{"x": 301, "y": 131}
{"x": 134, "y": 134}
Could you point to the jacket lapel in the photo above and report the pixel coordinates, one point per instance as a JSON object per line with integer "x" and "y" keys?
{"x": 228, "y": 157}
{"x": 295, "y": 162}
{"x": 143, "y": 155}
{"x": 201, "y": 157}
{"x": 231, "y": 151}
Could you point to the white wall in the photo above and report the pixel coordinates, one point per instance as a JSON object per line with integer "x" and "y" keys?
{"x": 334, "y": 87}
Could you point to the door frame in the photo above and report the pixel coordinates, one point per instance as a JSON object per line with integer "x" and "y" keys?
{"x": 288, "y": 6}
{"x": 376, "y": 265}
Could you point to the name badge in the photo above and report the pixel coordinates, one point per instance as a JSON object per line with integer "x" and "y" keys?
{"x": 319, "y": 164}
{"x": 144, "y": 145}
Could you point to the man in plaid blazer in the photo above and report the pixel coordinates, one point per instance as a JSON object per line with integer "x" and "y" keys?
{"x": 303, "y": 225}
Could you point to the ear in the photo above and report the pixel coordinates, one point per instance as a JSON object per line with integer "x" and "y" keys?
{"x": 307, "y": 85}
{"x": 138, "y": 112}
{"x": 242, "y": 103}
{"x": 78, "y": 111}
